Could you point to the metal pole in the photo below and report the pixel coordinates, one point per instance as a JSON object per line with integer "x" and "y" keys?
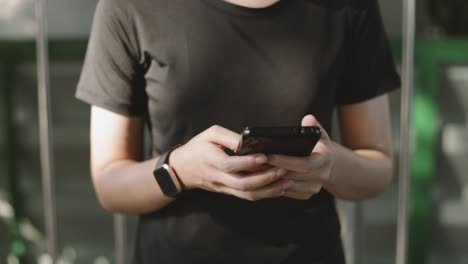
{"x": 409, "y": 26}
{"x": 358, "y": 231}
{"x": 45, "y": 131}
{"x": 120, "y": 238}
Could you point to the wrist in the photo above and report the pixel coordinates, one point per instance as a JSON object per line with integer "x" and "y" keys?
{"x": 166, "y": 177}
{"x": 334, "y": 150}
{"x": 177, "y": 164}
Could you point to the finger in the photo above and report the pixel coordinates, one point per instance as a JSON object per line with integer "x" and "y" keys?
{"x": 221, "y": 161}
{"x": 310, "y": 120}
{"x": 235, "y": 164}
{"x": 296, "y": 176}
{"x": 295, "y": 164}
{"x": 311, "y": 187}
{"x": 302, "y": 190}
{"x": 276, "y": 189}
{"x": 324, "y": 141}
{"x": 224, "y": 137}
{"x": 297, "y": 195}
{"x": 315, "y": 175}
{"x": 310, "y": 164}
{"x": 259, "y": 168}
{"x": 249, "y": 181}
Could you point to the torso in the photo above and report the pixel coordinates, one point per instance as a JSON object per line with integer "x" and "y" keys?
{"x": 211, "y": 62}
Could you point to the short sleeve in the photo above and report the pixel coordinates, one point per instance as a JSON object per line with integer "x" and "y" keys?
{"x": 110, "y": 77}
{"x": 369, "y": 69}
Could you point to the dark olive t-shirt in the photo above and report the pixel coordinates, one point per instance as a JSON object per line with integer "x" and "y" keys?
{"x": 185, "y": 65}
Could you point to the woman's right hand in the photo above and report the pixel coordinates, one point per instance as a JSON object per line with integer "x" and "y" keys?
{"x": 202, "y": 163}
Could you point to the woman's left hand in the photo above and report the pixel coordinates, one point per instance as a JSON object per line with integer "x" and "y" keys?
{"x": 309, "y": 174}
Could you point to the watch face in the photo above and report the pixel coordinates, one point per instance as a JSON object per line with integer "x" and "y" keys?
{"x": 165, "y": 180}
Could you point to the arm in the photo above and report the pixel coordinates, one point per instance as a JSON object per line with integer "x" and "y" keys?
{"x": 121, "y": 180}
{"x": 364, "y": 164}
{"x": 361, "y": 168}
{"x": 125, "y": 183}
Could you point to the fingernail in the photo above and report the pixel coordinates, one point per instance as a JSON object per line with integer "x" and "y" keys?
{"x": 281, "y": 173}
{"x": 261, "y": 159}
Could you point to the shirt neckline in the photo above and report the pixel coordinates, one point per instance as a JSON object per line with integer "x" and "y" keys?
{"x": 248, "y": 11}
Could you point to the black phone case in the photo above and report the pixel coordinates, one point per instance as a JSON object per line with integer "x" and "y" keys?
{"x": 290, "y": 141}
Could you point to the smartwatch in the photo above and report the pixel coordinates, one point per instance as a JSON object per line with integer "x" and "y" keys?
{"x": 166, "y": 176}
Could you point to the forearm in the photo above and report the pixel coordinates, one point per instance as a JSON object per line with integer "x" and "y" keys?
{"x": 129, "y": 187}
{"x": 359, "y": 174}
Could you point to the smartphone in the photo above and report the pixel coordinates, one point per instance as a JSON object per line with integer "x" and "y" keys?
{"x": 289, "y": 141}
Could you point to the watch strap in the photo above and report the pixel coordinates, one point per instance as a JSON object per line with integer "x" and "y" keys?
{"x": 162, "y": 166}
{"x": 164, "y": 158}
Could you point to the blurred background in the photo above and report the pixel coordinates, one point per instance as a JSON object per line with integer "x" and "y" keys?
{"x": 439, "y": 194}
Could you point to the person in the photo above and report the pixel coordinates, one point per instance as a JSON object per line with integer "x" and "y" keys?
{"x": 195, "y": 73}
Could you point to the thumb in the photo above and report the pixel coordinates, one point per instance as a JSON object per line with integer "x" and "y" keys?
{"x": 310, "y": 120}
{"x": 224, "y": 137}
